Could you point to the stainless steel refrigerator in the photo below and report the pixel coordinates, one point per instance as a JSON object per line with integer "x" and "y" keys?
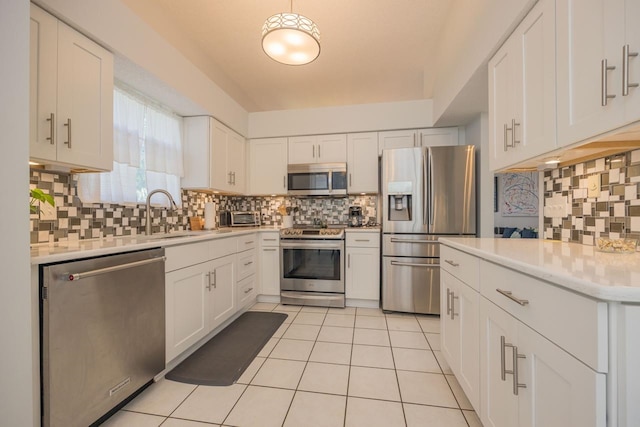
{"x": 427, "y": 192}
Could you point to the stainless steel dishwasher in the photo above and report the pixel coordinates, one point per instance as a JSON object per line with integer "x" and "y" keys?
{"x": 103, "y": 333}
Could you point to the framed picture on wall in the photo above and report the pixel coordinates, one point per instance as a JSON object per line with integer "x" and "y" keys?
{"x": 495, "y": 193}
{"x": 520, "y": 194}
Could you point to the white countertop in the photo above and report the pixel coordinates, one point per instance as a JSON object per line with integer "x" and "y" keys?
{"x": 606, "y": 276}
{"x": 44, "y": 253}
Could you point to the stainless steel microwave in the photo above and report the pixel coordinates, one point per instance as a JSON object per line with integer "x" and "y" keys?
{"x": 317, "y": 179}
{"x": 239, "y": 219}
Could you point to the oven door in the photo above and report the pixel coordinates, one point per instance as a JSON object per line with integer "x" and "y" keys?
{"x": 312, "y": 265}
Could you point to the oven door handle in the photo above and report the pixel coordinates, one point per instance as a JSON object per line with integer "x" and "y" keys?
{"x": 310, "y": 296}
{"x": 415, "y": 264}
{"x": 338, "y": 244}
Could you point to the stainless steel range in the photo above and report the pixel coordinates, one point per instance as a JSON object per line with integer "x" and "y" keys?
{"x": 312, "y": 266}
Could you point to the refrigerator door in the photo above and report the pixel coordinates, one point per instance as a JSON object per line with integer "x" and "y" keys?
{"x": 450, "y": 190}
{"x": 403, "y": 177}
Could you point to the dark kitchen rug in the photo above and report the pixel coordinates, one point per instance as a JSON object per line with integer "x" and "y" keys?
{"x": 223, "y": 359}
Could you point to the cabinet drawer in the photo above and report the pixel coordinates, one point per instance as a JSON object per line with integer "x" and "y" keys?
{"x": 246, "y": 263}
{"x": 246, "y": 291}
{"x": 553, "y": 312}
{"x": 246, "y": 242}
{"x": 222, "y": 247}
{"x": 269, "y": 238}
{"x": 185, "y": 255}
{"x": 363, "y": 239}
{"x": 461, "y": 265}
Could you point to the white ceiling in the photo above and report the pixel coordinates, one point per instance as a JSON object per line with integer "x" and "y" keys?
{"x": 371, "y": 50}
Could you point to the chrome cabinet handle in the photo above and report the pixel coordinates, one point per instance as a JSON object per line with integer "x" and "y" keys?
{"x": 68, "y": 125}
{"x": 361, "y": 240}
{"x": 448, "y": 302}
{"x": 415, "y": 141}
{"x": 503, "y": 370}
{"x": 313, "y": 153}
{"x": 509, "y": 295}
{"x": 513, "y": 132}
{"x": 248, "y": 263}
{"x": 625, "y": 70}
{"x": 507, "y": 129}
{"x": 284, "y": 182}
{"x": 233, "y": 174}
{"x": 516, "y": 356}
{"x": 215, "y": 279}
{"x": 269, "y": 250}
{"x": 350, "y": 181}
{"x": 248, "y": 242}
{"x": 208, "y": 281}
{"x": 451, "y": 262}
{"x": 229, "y": 179}
{"x": 415, "y": 264}
{"x": 603, "y": 83}
{"x": 349, "y": 261}
{"x": 453, "y": 305}
{"x": 269, "y": 240}
{"x": 248, "y": 290}
{"x": 52, "y": 128}
{"x": 319, "y": 155}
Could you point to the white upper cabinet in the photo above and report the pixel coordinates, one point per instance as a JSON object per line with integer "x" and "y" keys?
{"x": 522, "y": 113}
{"x": 362, "y": 162}
{"x": 594, "y": 67}
{"x": 71, "y": 96}
{"x": 431, "y": 137}
{"x": 318, "y": 149}
{"x": 268, "y": 166}
{"x": 214, "y": 156}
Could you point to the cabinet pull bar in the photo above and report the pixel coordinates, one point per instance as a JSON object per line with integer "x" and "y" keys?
{"x": 269, "y": 240}
{"x": 208, "y": 281}
{"x": 362, "y": 240}
{"x": 52, "y": 128}
{"x": 503, "y": 371}
{"x": 248, "y": 290}
{"x": 625, "y": 69}
{"x": 350, "y": 181}
{"x": 319, "y": 155}
{"x": 448, "y": 302}
{"x": 509, "y": 295}
{"x": 284, "y": 182}
{"x": 215, "y": 279}
{"x": 269, "y": 250}
{"x": 248, "y": 263}
{"x": 603, "y": 83}
{"x": 68, "y": 125}
{"x": 513, "y": 132}
{"x": 248, "y": 242}
{"x": 516, "y": 356}
{"x": 452, "y": 263}
{"x": 349, "y": 261}
{"x": 313, "y": 152}
{"x": 83, "y": 275}
{"x": 453, "y": 305}
{"x": 507, "y": 129}
{"x": 415, "y": 264}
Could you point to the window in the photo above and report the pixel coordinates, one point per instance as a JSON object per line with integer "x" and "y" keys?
{"x": 147, "y": 153}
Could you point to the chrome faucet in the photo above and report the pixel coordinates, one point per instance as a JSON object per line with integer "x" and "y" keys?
{"x": 151, "y": 193}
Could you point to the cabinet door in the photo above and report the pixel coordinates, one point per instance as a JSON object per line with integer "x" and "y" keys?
{"x": 85, "y": 101}
{"x": 43, "y": 84}
{"x": 302, "y": 149}
{"x": 362, "y": 276}
{"x": 270, "y": 271}
{"x": 332, "y": 148}
{"x": 186, "y": 305}
{"x": 397, "y": 139}
{"x": 362, "y": 162}
{"x": 498, "y": 404}
{"x": 437, "y": 137}
{"x": 535, "y": 109}
{"x": 268, "y": 166}
{"x": 449, "y": 325}
{"x": 247, "y": 291}
{"x": 197, "y": 147}
{"x": 221, "y": 178}
{"x": 632, "y": 38}
{"x": 222, "y": 290}
{"x": 236, "y": 149}
{"x": 502, "y": 84}
{"x": 588, "y": 32}
{"x": 466, "y": 308}
{"x": 560, "y": 390}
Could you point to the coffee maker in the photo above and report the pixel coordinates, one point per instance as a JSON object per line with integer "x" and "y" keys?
{"x": 355, "y": 216}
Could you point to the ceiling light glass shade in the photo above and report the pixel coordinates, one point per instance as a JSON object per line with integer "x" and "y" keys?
{"x": 291, "y": 39}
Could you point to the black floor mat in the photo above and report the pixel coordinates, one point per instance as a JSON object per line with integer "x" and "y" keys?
{"x": 223, "y": 359}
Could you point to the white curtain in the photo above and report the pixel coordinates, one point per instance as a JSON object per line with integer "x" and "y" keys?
{"x": 147, "y": 154}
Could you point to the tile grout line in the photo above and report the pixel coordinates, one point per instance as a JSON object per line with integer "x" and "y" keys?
{"x": 395, "y": 370}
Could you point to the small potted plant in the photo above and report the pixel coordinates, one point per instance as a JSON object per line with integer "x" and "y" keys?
{"x": 37, "y": 195}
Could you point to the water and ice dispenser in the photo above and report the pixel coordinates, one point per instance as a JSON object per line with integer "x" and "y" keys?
{"x": 400, "y": 194}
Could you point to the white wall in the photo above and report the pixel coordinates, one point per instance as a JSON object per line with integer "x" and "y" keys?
{"x": 18, "y": 401}
{"x": 473, "y": 31}
{"x": 350, "y": 118}
{"x": 477, "y": 133}
{"x": 114, "y": 25}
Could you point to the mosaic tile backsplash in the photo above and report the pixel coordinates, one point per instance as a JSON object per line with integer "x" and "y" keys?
{"x": 76, "y": 220}
{"x": 614, "y": 213}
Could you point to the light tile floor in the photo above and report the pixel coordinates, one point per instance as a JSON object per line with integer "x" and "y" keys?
{"x": 324, "y": 367}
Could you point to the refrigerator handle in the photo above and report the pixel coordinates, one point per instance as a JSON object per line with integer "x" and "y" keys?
{"x": 425, "y": 191}
{"x": 430, "y": 187}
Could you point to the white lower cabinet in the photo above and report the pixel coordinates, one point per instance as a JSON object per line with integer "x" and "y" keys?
{"x": 246, "y": 291}
{"x": 460, "y": 334}
{"x": 269, "y": 270}
{"x": 362, "y": 275}
{"x": 222, "y": 290}
{"x": 529, "y": 381}
{"x": 186, "y": 303}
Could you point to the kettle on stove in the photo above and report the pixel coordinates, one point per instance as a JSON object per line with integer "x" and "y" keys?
{"x": 355, "y": 216}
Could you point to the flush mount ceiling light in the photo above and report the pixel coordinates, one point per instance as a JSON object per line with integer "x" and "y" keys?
{"x": 290, "y": 38}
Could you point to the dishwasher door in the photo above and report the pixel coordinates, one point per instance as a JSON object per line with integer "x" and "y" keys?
{"x": 103, "y": 333}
